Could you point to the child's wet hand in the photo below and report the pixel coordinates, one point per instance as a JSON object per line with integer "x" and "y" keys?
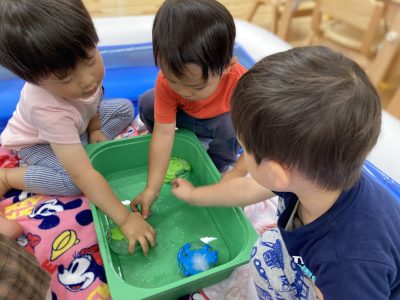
{"x": 183, "y": 189}
{"x": 145, "y": 199}
{"x": 136, "y": 229}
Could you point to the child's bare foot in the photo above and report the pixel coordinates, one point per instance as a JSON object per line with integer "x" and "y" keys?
{"x": 4, "y": 187}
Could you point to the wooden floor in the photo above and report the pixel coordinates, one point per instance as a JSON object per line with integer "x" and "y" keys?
{"x": 239, "y": 9}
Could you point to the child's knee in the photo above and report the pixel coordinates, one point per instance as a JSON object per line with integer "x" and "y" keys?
{"x": 71, "y": 189}
{"x": 130, "y": 111}
{"x": 126, "y": 109}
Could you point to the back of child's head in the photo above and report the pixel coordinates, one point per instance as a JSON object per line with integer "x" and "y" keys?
{"x": 43, "y": 37}
{"x": 200, "y": 32}
{"x": 312, "y": 110}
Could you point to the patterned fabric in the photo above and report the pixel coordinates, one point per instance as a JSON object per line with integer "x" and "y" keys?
{"x": 239, "y": 285}
{"x": 20, "y": 273}
{"x": 8, "y": 159}
{"x": 60, "y": 233}
{"x": 275, "y": 274}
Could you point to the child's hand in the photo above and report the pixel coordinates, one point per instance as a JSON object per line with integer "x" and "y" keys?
{"x": 135, "y": 228}
{"x": 10, "y": 228}
{"x": 145, "y": 199}
{"x": 97, "y": 136}
{"x": 183, "y": 190}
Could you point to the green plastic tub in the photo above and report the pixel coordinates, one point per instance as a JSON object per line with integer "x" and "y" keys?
{"x": 124, "y": 165}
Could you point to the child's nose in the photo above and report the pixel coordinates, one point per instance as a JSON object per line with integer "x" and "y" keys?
{"x": 185, "y": 92}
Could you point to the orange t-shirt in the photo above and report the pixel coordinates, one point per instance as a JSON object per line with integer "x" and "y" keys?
{"x": 167, "y": 102}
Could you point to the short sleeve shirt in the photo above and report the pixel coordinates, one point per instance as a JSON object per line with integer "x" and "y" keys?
{"x": 41, "y": 118}
{"x": 167, "y": 101}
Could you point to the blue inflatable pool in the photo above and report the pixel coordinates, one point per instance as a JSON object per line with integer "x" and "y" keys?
{"x": 130, "y": 71}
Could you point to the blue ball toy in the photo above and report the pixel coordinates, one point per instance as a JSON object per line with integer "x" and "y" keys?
{"x": 196, "y": 257}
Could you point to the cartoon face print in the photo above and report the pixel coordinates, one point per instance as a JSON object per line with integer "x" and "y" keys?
{"x": 29, "y": 241}
{"x": 48, "y": 210}
{"x": 77, "y": 277}
{"x": 82, "y": 271}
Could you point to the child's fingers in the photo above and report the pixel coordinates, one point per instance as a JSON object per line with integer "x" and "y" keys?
{"x": 153, "y": 230}
{"x": 146, "y": 211}
{"x": 145, "y": 246}
{"x": 131, "y": 247}
{"x": 151, "y": 237}
{"x": 175, "y": 183}
{"x": 133, "y": 205}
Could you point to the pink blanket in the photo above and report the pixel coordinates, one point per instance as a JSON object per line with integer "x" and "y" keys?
{"x": 60, "y": 232}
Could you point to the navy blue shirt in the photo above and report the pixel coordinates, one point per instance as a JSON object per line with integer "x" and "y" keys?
{"x": 353, "y": 249}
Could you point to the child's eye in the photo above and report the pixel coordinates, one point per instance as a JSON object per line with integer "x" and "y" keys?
{"x": 66, "y": 80}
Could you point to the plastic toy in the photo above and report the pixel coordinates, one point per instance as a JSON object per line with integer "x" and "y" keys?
{"x": 196, "y": 257}
{"x": 178, "y": 167}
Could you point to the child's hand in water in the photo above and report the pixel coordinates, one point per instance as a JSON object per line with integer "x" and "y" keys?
{"x": 145, "y": 199}
{"x": 183, "y": 190}
{"x": 135, "y": 228}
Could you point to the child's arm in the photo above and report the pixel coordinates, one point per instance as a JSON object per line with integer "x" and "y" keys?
{"x": 77, "y": 164}
{"x": 94, "y": 130}
{"x": 239, "y": 191}
{"x": 240, "y": 170}
{"x": 161, "y": 144}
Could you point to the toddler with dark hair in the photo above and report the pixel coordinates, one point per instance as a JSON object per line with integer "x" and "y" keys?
{"x": 193, "y": 46}
{"x": 307, "y": 118}
{"x": 52, "y": 45}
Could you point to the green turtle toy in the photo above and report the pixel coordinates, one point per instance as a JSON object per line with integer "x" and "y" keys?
{"x": 178, "y": 167}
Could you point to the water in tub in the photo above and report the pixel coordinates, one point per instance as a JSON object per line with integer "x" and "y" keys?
{"x": 175, "y": 222}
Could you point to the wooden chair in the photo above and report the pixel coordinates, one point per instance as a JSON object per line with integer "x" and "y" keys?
{"x": 282, "y": 12}
{"x": 353, "y": 24}
{"x": 394, "y": 104}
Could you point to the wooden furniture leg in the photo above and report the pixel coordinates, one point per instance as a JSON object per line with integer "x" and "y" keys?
{"x": 285, "y": 20}
{"x": 394, "y": 105}
{"x": 385, "y": 57}
{"x": 253, "y": 10}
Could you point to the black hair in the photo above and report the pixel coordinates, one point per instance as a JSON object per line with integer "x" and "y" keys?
{"x": 43, "y": 37}
{"x": 200, "y": 32}
{"x": 310, "y": 109}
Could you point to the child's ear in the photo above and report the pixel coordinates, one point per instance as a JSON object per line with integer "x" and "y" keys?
{"x": 280, "y": 175}
{"x": 231, "y": 63}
